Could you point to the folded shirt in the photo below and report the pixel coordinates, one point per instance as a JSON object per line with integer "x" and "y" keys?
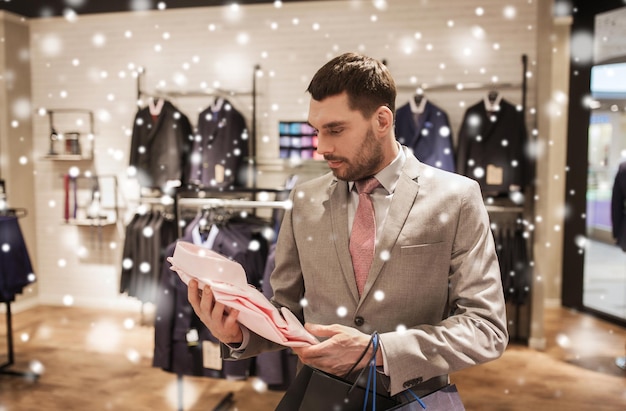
{"x": 228, "y": 282}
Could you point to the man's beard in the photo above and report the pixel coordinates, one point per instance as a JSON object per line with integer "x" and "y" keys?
{"x": 366, "y": 162}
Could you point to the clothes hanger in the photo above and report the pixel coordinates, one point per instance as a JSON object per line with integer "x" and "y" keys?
{"x": 492, "y": 100}
{"x": 418, "y": 102}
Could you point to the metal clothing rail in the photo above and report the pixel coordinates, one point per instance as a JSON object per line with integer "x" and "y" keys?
{"x": 425, "y": 87}
{"x": 233, "y": 203}
{"x": 208, "y": 92}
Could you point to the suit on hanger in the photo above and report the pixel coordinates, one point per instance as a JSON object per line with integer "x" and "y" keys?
{"x": 431, "y": 240}
{"x": 427, "y": 133}
{"x": 174, "y": 319}
{"x": 160, "y": 146}
{"x": 175, "y": 316}
{"x": 491, "y": 148}
{"x": 221, "y": 149}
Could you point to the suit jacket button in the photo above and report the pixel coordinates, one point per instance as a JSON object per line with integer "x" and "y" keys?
{"x": 359, "y": 321}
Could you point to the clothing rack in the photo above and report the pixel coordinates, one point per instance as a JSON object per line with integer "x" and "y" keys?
{"x": 166, "y": 94}
{"x": 216, "y": 200}
{"x": 232, "y": 203}
{"x": 153, "y": 200}
{"x": 5, "y": 367}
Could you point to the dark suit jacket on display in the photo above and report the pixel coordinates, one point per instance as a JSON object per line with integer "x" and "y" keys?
{"x": 140, "y": 279}
{"x": 491, "y": 148}
{"x": 428, "y": 134}
{"x": 175, "y": 316}
{"x": 160, "y": 148}
{"x": 220, "y": 149}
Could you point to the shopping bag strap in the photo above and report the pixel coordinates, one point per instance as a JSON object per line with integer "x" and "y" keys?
{"x": 369, "y": 344}
{"x": 371, "y": 376}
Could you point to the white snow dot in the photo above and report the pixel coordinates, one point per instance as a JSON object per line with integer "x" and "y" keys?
{"x": 254, "y": 245}
{"x": 342, "y": 311}
{"x": 133, "y": 356}
{"x": 37, "y": 367}
{"x": 509, "y": 12}
{"x": 129, "y": 323}
{"x": 98, "y": 40}
{"x": 563, "y": 340}
{"x": 379, "y": 295}
{"x": 385, "y": 255}
{"x": 473, "y": 120}
{"x": 259, "y": 385}
{"x": 479, "y": 172}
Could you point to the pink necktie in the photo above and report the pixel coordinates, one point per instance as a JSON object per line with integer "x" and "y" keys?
{"x": 363, "y": 232}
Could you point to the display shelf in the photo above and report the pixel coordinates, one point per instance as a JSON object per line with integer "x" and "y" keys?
{"x": 90, "y": 200}
{"x": 298, "y": 140}
{"x": 68, "y": 157}
{"x": 91, "y": 222}
{"x": 76, "y": 141}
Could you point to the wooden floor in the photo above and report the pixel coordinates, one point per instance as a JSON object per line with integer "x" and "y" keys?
{"x": 101, "y": 360}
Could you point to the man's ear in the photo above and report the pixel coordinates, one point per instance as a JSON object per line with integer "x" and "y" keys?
{"x": 383, "y": 119}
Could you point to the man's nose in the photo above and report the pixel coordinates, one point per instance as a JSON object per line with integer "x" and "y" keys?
{"x": 323, "y": 145}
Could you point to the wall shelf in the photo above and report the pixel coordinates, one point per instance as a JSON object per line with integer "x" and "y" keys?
{"x": 68, "y": 157}
{"x": 76, "y": 140}
{"x": 91, "y": 201}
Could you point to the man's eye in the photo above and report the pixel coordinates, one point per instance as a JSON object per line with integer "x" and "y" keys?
{"x": 335, "y": 131}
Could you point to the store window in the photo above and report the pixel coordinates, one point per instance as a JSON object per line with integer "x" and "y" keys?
{"x": 604, "y": 286}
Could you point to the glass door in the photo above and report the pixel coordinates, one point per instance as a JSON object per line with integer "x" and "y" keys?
{"x": 604, "y": 287}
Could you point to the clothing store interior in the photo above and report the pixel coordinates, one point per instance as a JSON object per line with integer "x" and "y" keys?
{"x": 127, "y": 126}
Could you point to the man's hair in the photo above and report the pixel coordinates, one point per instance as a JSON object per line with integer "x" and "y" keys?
{"x": 366, "y": 81}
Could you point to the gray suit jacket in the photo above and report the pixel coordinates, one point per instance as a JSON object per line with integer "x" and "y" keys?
{"x": 442, "y": 307}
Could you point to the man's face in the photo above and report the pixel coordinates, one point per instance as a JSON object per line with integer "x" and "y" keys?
{"x": 345, "y": 138}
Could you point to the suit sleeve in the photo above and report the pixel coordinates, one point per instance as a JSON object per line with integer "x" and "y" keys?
{"x": 473, "y": 330}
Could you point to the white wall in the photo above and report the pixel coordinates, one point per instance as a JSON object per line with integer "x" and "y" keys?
{"x": 88, "y": 63}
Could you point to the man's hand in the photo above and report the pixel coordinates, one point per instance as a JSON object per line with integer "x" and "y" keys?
{"x": 340, "y": 349}
{"x": 220, "y": 320}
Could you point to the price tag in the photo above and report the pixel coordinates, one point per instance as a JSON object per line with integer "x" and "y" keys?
{"x": 494, "y": 175}
{"x": 211, "y": 355}
{"x": 219, "y": 173}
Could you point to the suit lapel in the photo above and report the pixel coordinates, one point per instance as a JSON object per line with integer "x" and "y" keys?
{"x": 338, "y": 194}
{"x": 399, "y": 209}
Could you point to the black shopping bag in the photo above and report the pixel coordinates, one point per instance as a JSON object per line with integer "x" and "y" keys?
{"x": 315, "y": 390}
{"x": 444, "y": 399}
